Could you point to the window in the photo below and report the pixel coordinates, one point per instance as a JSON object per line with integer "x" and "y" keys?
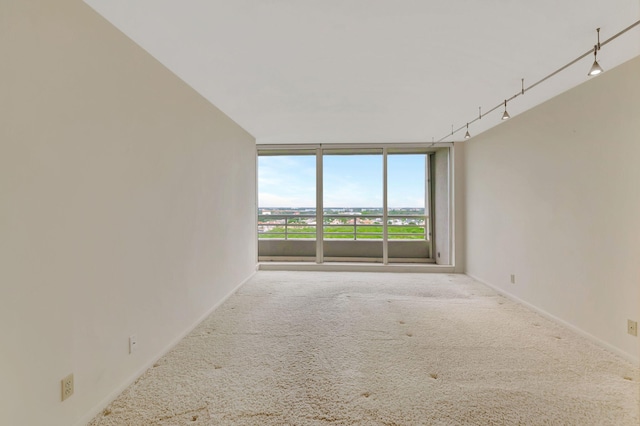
{"x": 352, "y": 195}
{"x": 287, "y": 196}
{"x": 374, "y": 203}
{"x": 407, "y": 189}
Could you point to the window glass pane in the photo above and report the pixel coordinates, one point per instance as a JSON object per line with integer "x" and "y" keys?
{"x": 352, "y": 196}
{"x": 287, "y": 197}
{"x": 406, "y": 194}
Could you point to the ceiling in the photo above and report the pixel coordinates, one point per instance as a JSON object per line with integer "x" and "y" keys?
{"x": 332, "y": 71}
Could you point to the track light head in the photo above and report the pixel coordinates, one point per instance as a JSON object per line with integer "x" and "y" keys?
{"x": 595, "y": 68}
{"x": 505, "y": 115}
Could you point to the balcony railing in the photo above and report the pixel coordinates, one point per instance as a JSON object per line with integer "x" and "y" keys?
{"x": 352, "y": 227}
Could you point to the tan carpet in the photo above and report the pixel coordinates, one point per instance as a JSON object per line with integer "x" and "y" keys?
{"x": 323, "y": 348}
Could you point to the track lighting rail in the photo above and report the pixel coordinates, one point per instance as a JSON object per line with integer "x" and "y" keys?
{"x": 526, "y": 89}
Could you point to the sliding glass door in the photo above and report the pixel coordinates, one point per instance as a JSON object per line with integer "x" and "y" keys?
{"x": 287, "y": 220}
{"x": 408, "y": 221}
{"x": 356, "y": 204}
{"x": 352, "y": 205}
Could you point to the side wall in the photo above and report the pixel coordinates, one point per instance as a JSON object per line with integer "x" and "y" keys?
{"x": 552, "y": 197}
{"x": 127, "y": 207}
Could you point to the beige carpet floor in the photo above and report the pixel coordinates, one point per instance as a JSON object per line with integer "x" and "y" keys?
{"x": 323, "y": 348}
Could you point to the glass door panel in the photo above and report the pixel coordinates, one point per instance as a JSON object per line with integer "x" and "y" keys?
{"x": 407, "y": 212}
{"x": 287, "y": 206}
{"x": 352, "y": 205}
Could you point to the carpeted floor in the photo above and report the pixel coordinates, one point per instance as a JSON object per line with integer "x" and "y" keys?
{"x": 324, "y": 348}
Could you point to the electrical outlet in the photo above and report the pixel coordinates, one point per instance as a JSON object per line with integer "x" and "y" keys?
{"x": 133, "y": 343}
{"x": 67, "y": 386}
{"x": 632, "y": 327}
{"x": 513, "y": 279}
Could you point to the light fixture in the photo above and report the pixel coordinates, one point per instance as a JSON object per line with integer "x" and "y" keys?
{"x": 596, "y": 68}
{"x": 505, "y": 115}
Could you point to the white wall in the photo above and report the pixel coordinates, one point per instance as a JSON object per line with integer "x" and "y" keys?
{"x": 553, "y": 197}
{"x": 127, "y": 205}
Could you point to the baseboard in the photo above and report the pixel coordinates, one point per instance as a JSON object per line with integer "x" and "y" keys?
{"x": 109, "y": 398}
{"x": 604, "y": 345}
{"x": 355, "y": 267}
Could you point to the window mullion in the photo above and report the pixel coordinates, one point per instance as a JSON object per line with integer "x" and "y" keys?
{"x": 385, "y": 213}
{"x": 319, "y": 208}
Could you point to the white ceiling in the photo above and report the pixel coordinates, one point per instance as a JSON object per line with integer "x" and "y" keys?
{"x": 301, "y": 71}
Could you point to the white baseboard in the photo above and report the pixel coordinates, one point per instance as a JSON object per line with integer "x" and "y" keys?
{"x": 355, "y": 267}
{"x": 109, "y": 398}
{"x": 628, "y": 357}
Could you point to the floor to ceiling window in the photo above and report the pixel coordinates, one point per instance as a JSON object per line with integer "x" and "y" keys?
{"x": 352, "y": 205}
{"x": 407, "y": 195}
{"x": 287, "y": 222}
{"x": 332, "y": 204}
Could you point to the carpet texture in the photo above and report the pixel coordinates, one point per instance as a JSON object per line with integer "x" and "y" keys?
{"x": 324, "y": 348}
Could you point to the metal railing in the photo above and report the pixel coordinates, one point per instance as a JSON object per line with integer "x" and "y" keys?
{"x": 269, "y": 223}
{"x": 339, "y": 226}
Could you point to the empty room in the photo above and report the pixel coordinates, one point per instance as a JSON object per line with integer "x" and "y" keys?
{"x": 355, "y": 212}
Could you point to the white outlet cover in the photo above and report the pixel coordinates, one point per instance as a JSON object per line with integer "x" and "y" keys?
{"x": 133, "y": 343}
{"x": 67, "y": 386}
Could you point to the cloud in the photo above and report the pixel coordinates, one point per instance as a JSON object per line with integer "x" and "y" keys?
{"x": 275, "y": 200}
{"x": 354, "y": 181}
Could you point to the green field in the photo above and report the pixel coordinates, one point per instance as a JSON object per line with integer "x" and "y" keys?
{"x": 346, "y": 232}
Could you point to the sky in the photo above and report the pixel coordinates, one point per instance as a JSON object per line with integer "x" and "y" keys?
{"x": 349, "y": 180}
